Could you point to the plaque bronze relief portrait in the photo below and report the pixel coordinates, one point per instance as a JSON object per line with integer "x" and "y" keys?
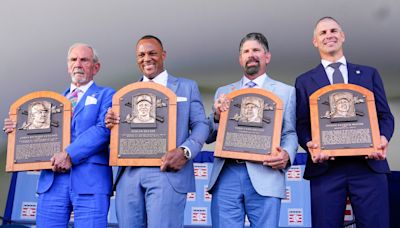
{"x": 251, "y": 128}
{"x": 147, "y": 129}
{"x": 43, "y": 128}
{"x": 344, "y": 121}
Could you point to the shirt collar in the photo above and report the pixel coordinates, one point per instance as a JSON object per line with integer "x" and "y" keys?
{"x": 259, "y": 80}
{"x": 83, "y": 88}
{"x": 161, "y": 79}
{"x": 326, "y": 63}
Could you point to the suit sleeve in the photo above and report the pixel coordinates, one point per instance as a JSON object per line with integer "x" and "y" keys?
{"x": 96, "y": 138}
{"x": 212, "y": 136}
{"x": 197, "y": 122}
{"x": 385, "y": 117}
{"x": 303, "y": 124}
{"x": 289, "y": 136}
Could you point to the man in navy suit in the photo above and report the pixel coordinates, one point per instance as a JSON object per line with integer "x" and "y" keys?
{"x": 81, "y": 179}
{"x": 242, "y": 188}
{"x": 363, "y": 179}
{"x": 156, "y": 196}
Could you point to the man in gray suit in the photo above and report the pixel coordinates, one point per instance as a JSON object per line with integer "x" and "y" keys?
{"x": 242, "y": 188}
{"x": 156, "y": 196}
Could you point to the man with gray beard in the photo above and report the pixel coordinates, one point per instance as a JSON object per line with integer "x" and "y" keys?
{"x": 239, "y": 187}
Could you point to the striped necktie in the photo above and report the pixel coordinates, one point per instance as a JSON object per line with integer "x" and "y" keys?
{"x": 73, "y": 97}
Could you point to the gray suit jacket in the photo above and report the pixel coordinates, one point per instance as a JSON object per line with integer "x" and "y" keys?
{"x": 191, "y": 131}
{"x": 266, "y": 181}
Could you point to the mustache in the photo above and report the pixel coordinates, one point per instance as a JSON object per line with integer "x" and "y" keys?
{"x": 252, "y": 59}
{"x": 78, "y": 71}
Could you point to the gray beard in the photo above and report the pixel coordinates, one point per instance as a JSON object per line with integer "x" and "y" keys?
{"x": 78, "y": 80}
{"x": 252, "y": 70}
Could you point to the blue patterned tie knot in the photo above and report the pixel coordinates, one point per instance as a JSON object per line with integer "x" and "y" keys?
{"x": 250, "y": 84}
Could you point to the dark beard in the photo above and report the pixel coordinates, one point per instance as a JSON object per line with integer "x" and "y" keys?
{"x": 252, "y": 70}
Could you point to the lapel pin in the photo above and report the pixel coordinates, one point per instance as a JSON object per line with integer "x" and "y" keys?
{"x": 358, "y": 72}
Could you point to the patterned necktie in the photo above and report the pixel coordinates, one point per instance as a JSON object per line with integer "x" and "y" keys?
{"x": 250, "y": 84}
{"x": 337, "y": 76}
{"x": 73, "y": 97}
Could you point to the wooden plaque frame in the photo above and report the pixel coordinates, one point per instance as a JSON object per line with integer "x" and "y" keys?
{"x": 373, "y": 121}
{"x": 12, "y": 165}
{"x": 277, "y": 128}
{"x": 115, "y": 159}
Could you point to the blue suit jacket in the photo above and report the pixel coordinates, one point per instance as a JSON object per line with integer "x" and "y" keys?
{"x": 266, "y": 181}
{"x": 89, "y": 148}
{"x": 191, "y": 131}
{"x": 364, "y": 76}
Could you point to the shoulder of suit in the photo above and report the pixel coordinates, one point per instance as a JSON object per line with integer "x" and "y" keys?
{"x": 232, "y": 85}
{"x": 182, "y": 80}
{"x": 282, "y": 85}
{"x": 226, "y": 89}
{"x": 309, "y": 73}
{"x": 360, "y": 67}
{"x": 104, "y": 88}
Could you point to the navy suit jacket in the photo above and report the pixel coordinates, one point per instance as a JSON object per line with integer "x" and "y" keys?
{"x": 311, "y": 81}
{"x": 191, "y": 131}
{"x": 89, "y": 148}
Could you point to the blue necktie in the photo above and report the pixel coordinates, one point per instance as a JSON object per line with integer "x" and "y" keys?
{"x": 337, "y": 76}
{"x": 250, "y": 84}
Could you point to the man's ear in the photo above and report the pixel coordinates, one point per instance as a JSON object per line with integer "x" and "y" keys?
{"x": 314, "y": 41}
{"x": 96, "y": 68}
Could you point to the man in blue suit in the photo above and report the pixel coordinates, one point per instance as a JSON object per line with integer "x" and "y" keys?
{"x": 242, "y": 188}
{"x": 156, "y": 196}
{"x": 361, "y": 178}
{"x": 81, "y": 179}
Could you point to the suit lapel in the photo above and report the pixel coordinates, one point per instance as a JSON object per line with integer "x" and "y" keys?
{"x": 172, "y": 83}
{"x": 92, "y": 91}
{"x": 319, "y": 76}
{"x": 354, "y": 73}
{"x": 269, "y": 84}
{"x": 235, "y": 86}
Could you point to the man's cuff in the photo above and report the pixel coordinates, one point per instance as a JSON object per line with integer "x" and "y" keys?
{"x": 188, "y": 154}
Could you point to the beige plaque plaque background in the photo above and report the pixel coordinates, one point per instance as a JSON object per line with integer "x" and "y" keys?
{"x": 115, "y": 158}
{"x": 275, "y": 135}
{"x": 12, "y": 165}
{"x": 316, "y": 117}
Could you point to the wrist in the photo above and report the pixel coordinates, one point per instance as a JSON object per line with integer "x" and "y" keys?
{"x": 216, "y": 117}
{"x": 68, "y": 157}
{"x": 186, "y": 153}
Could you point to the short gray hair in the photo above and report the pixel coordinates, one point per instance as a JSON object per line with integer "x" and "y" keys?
{"x": 326, "y": 18}
{"x": 95, "y": 55}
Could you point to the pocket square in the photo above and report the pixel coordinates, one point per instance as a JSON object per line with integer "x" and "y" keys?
{"x": 90, "y": 100}
{"x": 181, "y": 99}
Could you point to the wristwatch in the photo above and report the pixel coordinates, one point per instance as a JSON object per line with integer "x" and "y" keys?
{"x": 186, "y": 153}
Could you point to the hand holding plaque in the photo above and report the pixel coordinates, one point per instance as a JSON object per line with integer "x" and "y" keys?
{"x": 344, "y": 122}
{"x": 38, "y": 127}
{"x": 250, "y": 127}
{"x": 143, "y": 124}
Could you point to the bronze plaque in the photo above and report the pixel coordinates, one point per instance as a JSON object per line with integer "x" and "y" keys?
{"x": 43, "y": 128}
{"x": 251, "y": 128}
{"x": 344, "y": 121}
{"x": 147, "y": 128}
